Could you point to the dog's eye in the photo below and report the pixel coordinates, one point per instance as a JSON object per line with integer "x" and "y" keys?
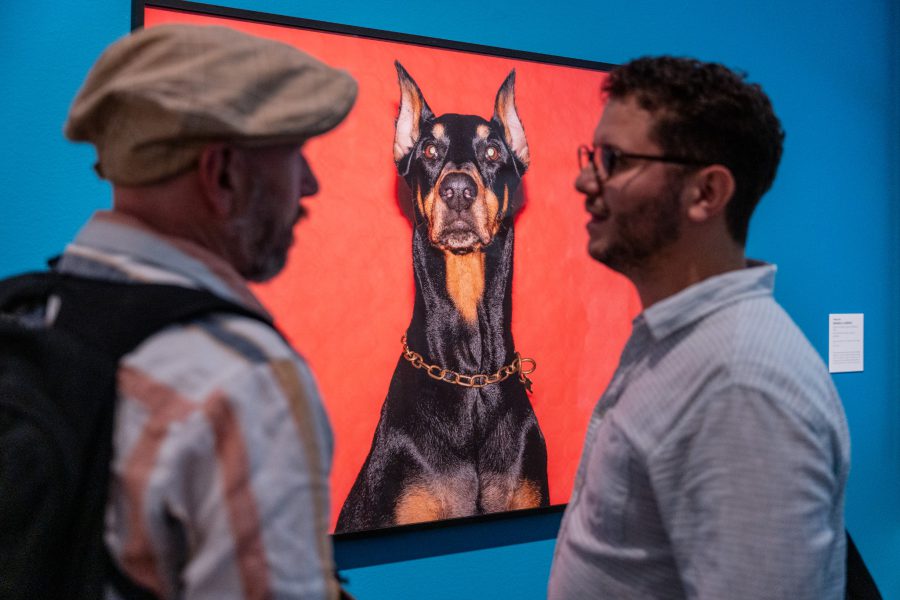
{"x": 430, "y": 151}
{"x": 492, "y": 153}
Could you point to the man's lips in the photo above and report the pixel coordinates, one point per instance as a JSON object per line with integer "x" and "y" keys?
{"x": 598, "y": 213}
{"x": 595, "y": 226}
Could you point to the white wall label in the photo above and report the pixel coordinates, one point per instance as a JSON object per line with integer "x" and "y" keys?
{"x": 845, "y": 342}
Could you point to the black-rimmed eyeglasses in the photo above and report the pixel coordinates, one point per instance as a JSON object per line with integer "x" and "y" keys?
{"x": 604, "y": 159}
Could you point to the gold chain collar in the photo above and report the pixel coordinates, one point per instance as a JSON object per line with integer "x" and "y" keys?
{"x": 479, "y": 380}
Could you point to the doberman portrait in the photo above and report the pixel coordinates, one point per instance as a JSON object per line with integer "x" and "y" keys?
{"x": 457, "y": 435}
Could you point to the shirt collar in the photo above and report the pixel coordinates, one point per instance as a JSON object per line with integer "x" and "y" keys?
{"x": 701, "y": 299}
{"x": 116, "y": 233}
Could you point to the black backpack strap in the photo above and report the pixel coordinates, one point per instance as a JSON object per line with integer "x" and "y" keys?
{"x": 22, "y": 288}
{"x": 137, "y": 310}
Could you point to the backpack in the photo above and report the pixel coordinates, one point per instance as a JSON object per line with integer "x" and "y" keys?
{"x": 57, "y": 403}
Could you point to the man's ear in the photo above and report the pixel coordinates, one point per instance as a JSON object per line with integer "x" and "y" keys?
{"x": 218, "y": 170}
{"x": 709, "y": 191}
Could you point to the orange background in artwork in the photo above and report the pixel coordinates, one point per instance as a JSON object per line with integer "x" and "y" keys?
{"x": 346, "y": 294}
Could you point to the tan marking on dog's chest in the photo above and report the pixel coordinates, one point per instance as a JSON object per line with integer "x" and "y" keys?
{"x": 502, "y": 492}
{"x": 433, "y": 500}
{"x": 417, "y": 504}
{"x": 526, "y": 495}
{"x": 465, "y": 282}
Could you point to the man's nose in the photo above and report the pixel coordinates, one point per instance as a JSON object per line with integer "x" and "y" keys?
{"x": 588, "y": 183}
{"x": 309, "y": 185}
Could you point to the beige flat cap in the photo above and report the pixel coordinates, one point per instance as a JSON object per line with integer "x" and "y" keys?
{"x": 155, "y": 97}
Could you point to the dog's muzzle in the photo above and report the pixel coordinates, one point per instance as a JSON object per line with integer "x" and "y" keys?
{"x": 461, "y": 217}
{"x": 458, "y": 191}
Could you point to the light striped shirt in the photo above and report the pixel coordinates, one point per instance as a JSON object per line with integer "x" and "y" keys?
{"x": 222, "y": 448}
{"x": 715, "y": 463}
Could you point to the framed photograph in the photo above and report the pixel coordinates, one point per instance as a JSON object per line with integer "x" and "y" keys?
{"x": 440, "y": 287}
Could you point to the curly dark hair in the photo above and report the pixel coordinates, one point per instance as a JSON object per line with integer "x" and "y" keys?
{"x": 709, "y": 113}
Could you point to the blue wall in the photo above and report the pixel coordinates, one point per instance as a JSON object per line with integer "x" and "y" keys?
{"x": 831, "y": 221}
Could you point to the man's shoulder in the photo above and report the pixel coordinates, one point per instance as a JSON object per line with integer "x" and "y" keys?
{"x": 214, "y": 353}
{"x": 754, "y": 331}
{"x": 764, "y": 342}
{"x": 766, "y": 359}
{"x": 753, "y": 347}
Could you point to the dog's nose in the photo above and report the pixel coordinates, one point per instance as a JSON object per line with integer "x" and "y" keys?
{"x": 458, "y": 191}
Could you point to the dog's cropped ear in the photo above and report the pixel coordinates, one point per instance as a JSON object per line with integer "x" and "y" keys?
{"x": 505, "y": 114}
{"x": 413, "y": 111}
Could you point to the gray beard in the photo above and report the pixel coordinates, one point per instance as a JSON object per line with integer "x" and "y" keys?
{"x": 262, "y": 252}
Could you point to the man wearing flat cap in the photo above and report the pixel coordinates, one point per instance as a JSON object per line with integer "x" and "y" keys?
{"x": 222, "y": 448}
